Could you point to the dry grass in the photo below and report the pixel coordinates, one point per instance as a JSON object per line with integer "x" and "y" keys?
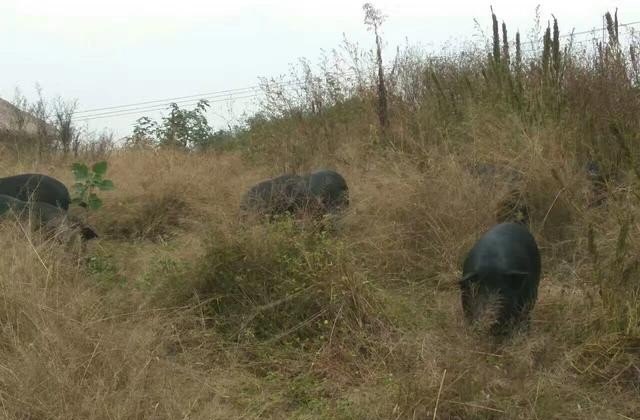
{"x": 180, "y": 310}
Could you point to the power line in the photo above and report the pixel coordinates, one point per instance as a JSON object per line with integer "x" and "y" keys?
{"x": 164, "y": 105}
{"x": 594, "y": 30}
{"x": 579, "y": 41}
{"x": 127, "y": 110}
{"x": 178, "y": 99}
{"x": 573, "y": 44}
{"x": 249, "y": 91}
{"x": 629, "y": 23}
{"x": 160, "y": 107}
{"x": 591, "y": 31}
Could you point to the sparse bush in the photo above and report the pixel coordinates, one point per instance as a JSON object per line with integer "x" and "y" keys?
{"x": 277, "y": 283}
{"x": 186, "y": 129}
{"x": 68, "y": 134}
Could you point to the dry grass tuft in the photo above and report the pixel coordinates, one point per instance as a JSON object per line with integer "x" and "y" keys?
{"x": 208, "y": 317}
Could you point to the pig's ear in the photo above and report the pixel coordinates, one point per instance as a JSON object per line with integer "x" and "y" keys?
{"x": 88, "y": 233}
{"x": 518, "y": 279}
{"x": 468, "y": 278}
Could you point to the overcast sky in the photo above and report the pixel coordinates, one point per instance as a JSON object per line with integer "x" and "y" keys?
{"x": 116, "y": 52}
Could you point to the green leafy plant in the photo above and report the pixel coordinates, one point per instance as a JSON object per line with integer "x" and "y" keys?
{"x": 87, "y": 182}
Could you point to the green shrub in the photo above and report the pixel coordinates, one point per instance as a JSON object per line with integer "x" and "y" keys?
{"x": 277, "y": 282}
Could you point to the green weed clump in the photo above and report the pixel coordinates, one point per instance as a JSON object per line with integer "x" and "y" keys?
{"x": 282, "y": 283}
{"x": 88, "y": 182}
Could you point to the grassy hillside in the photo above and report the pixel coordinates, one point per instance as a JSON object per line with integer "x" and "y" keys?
{"x": 181, "y": 310}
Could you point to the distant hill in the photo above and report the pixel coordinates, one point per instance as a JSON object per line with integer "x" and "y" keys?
{"x": 9, "y": 115}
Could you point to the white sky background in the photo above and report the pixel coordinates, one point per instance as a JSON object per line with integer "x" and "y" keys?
{"x": 117, "y": 52}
